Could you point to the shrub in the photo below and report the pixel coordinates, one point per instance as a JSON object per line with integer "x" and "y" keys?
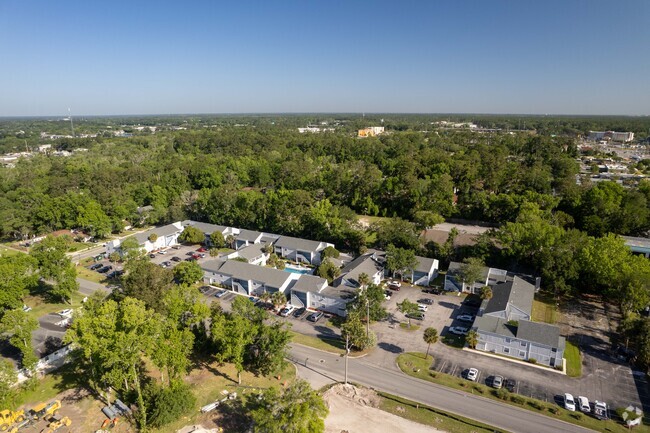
{"x": 535, "y": 404}
{"x": 576, "y": 415}
{"x": 169, "y": 404}
{"x": 153, "y": 237}
{"x": 517, "y": 399}
{"x": 502, "y": 393}
{"x": 478, "y": 389}
{"x": 433, "y": 374}
{"x": 532, "y": 360}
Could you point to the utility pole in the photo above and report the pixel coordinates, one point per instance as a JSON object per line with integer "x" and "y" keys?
{"x": 71, "y": 124}
{"x": 368, "y": 318}
{"x": 347, "y": 352}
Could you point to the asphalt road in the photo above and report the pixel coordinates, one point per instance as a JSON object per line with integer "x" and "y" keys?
{"x": 317, "y": 363}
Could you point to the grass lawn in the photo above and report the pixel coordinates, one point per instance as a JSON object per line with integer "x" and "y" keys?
{"x": 573, "y": 360}
{"x": 87, "y": 274}
{"x": 332, "y": 345}
{"x": 457, "y": 341}
{"x": 415, "y": 365}
{"x": 405, "y": 326}
{"x": 544, "y": 311}
{"x": 429, "y": 416}
{"x": 4, "y": 251}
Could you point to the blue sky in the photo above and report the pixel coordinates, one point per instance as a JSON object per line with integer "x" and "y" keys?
{"x": 159, "y": 57}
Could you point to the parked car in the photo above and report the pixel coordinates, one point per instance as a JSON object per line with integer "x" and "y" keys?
{"x": 286, "y": 311}
{"x": 176, "y": 247}
{"x": 569, "y": 402}
{"x": 433, "y": 291}
{"x": 600, "y": 410}
{"x": 253, "y": 299}
{"x": 422, "y": 308}
{"x": 315, "y": 317}
{"x": 176, "y": 259}
{"x": 26, "y": 309}
{"x": 204, "y": 289}
{"x": 190, "y": 259}
{"x": 510, "y": 385}
{"x": 152, "y": 256}
{"x": 387, "y": 295}
{"x": 299, "y": 312}
{"x": 113, "y": 274}
{"x": 96, "y": 266}
{"x": 189, "y": 253}
{"x": 425, "y": 301}
{"x": 394, "y": 285}
{"x": 583, "y": 404}
{"x": 166, "y": 264}
{"x": 65, "y": 313}
{"x": 465, "y": 318}
{"x": 202, "y": 256}
{"x": 497, "y": 382}
{"x": 162, "y": 252}
{"x": 395, "y": 288}
{"x": 458, "y": 330}
{"x": 105, "y": 269}
{"x": 472, "y": 374}
{"x": 418, "y": 315}
{"x": 219, "y": 293}
{"x": 202, "y": 250}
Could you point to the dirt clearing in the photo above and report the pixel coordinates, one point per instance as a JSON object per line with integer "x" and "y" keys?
{"x": 354, "y": 410}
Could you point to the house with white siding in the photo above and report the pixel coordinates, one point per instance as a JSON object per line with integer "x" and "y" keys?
{"x": 504, "y": 326}
{"x": 208, "y": 229}
{"x": 370, "y": 263}
{"x": 253, "y": 254}
{"x": 489, "y": 276}
{"x": 313, "y": 292}
{"x": 247, "y": 237}
{"x": 300, "y": 250}
{"x": 425, "y": 271}
{"x": 165, "y": 236}
{"x": 245, "y": 278}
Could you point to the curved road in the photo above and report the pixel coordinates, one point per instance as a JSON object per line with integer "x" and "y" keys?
{"x": 485, "y": 410}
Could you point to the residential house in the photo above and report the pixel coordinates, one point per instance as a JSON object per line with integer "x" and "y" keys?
{"x": 300, "y": 250}
{"x": 489, "y": 277}
{"x": 504, "y": 326}
{"x": 425, "y": 271}
{"x": 247, "y": 237}
{"x": 253, "y": 254}
{"x": 208, "y": 229}
{"x": 371, "y": 263}
{"x": 313, "y": 292}
{"x": 166, "y": 236}
{"x": 246, "y": 278}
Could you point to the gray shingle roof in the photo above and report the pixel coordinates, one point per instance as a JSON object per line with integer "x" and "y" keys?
{"x": 494, "y": 325}
{"x": 245, "y": 271}
{"x": 167, "y": 230}
{"x": 206, "y": 228}
{"x": 299, "y": 244}
{"x": 455, "y": 267}
{"x": 363, "y": 264}
{"x": 424, "y": 264}
{"x": 541, "y": 333}
{"x": 309, "y": 283}
{"x": 249, "y": 235}
{"x": 516, "y": 292}
{"x": 251, "y": 252}
{"x": 212, "y": 265}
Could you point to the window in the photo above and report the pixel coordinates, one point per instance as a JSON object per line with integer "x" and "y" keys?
{"x": 523, "y": 344}
{"x": 508, "y": 340}
{"x": 522, "y": 354}
{"x": 506, "y": 350}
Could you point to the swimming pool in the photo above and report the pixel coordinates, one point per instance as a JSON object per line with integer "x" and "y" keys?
{"x": 294, "y": 270}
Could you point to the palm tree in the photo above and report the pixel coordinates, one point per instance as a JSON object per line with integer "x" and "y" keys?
{"x": 486, "y": 293}
{"x": 472, "y": 339}
{"x": 430, "y": 337}
{"x": 363, "y": 279}
{"x": 278, "y": 299}
{"x": 230, "y": 241}
{"x": 265, "y": 297}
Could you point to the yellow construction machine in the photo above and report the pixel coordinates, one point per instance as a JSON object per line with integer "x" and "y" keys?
{"x": 56, "y": 423}
{"x": 45, "y": 410}
{"x": 9, "y": 417}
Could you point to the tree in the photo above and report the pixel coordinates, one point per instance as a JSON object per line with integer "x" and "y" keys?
{"x": 192, "y": 235}
{"x": 55, "y": 266}
{"x": 371, "y": 298}
{"x": 230, "y": 241}
{"x": 167, "y": 405}
{"x": 430, "y": 337}
{"x": 471, "y": 270}
{"x": 328, "y": 270}
{"x": 355, "y": 330}
{"x": 330, "y": 252}
{"x": 188, "y": 272}
{"x": 232, "y": 335}
{"x": 114, "y": 257}
{"x": 486, "y": 293}
{"x": 19, "y": 326}
{"x": 400, "y": 260}
{"x": 425, "y": 219}
{"x": 278, "y": 299}
{"x": 297, "y": 409}
{"x": 92, "y": 219}
{"x": 18, "y": 274}
{"x": 472, "y": 339}
{"x": 363, "y": 279}
{"x": 267, "y": 352}
{"x": 408, "y": 308}
{"x": 153, "y": 237}
{"x": 398, "y": 232}
{"x": 244, "y": 307}
{"x": 8, "y": 378}
{"x": 130, "y": 249}
{"x": 217, "y": 240}
{"x": 147, "y": 282}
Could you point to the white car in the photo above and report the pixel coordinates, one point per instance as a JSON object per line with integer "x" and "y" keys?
{"x": 465, "y": 318}
{"x": 26, "y": 309}
{"x": 162, "y": 252}
{"x": 458, "y": 330}
{"x": 472, "y": 374}
{"x": 387, "y": 296}
{"x": 65, "y": 313}
{"x": 583, "y": 404}
{"x": 569, "y": 402}
{"x": 422, "y": 308}
{"x": 286, "y": 311}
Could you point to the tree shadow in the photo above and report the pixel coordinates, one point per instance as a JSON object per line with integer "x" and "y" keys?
{"x": 51, "y": 345}
{"x": 392, "y": 348}
{"x": 232, "y": 416}
{"x": 448, "y": 305}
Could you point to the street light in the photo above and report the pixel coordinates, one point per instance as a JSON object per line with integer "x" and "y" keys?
{"x": 368, "y": 318}
{"x": 347, "y": 352}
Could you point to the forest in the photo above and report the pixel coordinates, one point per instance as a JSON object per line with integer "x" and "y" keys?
{"x": 260, "y": 173}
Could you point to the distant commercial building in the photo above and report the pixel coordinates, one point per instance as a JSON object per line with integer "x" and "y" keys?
{"x": 613, "y": 136}
{"x": 371, "y": 131}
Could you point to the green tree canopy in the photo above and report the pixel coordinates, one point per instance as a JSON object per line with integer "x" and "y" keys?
{"x": 188, "y": 272}
{"x": 400, "y": 260}
{"x": 192, "y": 235}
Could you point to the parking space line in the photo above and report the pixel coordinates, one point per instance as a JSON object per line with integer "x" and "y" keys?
{"x": 453, "y": 370}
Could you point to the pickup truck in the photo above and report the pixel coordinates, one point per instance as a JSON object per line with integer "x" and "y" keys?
{"x": 600, "y": 410}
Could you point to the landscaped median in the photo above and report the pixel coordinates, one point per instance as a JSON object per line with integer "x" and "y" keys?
{"x": 415, "y": 364}
{"x": 332, "y": 345}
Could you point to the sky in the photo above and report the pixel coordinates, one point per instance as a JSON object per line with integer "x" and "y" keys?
{"x": 457, "y": 56}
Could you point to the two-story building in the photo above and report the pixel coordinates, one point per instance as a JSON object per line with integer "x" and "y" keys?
{"x": 165, "y": 236}
{"x": 245, "y": 278}
{"x": 300, "y": 250}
